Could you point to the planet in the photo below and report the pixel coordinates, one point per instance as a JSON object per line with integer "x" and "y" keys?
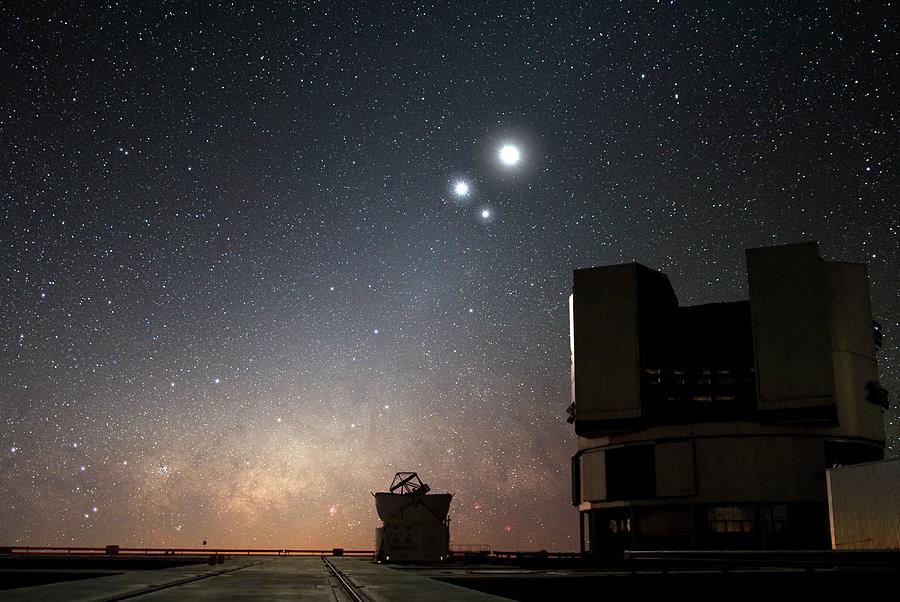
{"x": 510, "y": 154}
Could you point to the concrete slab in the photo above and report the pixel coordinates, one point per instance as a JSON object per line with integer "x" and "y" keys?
{"x": 286, "y": 578}
{"x": 275, "y": 579}
{"x": 382, "y": 583}
{"x": 133, "y": 583}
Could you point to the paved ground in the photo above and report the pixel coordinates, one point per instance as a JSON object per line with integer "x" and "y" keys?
{"x": 293, "y": 578}
{"x": 386, "y": 584}
{"x": 307, "y": 578}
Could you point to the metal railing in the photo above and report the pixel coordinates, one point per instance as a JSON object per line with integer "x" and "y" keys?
{"x": 205, "y": 551}
{"x": 470, "y": 548}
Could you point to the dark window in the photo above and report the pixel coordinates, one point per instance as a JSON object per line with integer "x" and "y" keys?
{"x": 630, "y": 473}
{"x": 776, "y": 518}
{"x": 619, "y": 525}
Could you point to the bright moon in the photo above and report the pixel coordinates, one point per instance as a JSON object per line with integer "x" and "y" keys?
{"x": 509, "y": 154}
{"x": 461, "y": 188}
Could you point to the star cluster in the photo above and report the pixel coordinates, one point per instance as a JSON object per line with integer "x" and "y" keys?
{"x": 256, "y": 259}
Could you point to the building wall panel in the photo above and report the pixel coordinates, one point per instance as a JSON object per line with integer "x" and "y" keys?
{"x": 593, "y": 476}
{"x": 607, "y": 371}
{"x": 790, "y": 327}
{"x": 737, "y": 469}
{"x": 675, "y": 469}
{"x": 864, "y": 506}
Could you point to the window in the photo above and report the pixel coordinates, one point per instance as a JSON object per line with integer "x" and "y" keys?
{"x": 776, "y": 518}
{"x": 732, "y": 519}
{"x": 620, "y": 525}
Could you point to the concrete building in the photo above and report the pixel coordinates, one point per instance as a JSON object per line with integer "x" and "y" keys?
{"x": 712, "y": 426}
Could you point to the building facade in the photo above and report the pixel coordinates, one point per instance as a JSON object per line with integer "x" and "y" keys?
{"x": 712, "y": 426}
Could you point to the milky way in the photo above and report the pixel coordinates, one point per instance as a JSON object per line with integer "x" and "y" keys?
{"x": 240, "y": 291}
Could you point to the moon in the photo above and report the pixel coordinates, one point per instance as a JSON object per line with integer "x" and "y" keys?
{"x": 510, "y": 154}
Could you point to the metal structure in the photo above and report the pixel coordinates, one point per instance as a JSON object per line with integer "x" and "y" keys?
{"x": 350, "y": 590}
{"x": 863, "y": 506}
{"x": 416, "y": 527}
{"x": 408, "y": 483}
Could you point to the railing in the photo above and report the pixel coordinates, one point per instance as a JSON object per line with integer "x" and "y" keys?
{"x": 726, "y": 560}
{"x": 631, "y": 561}
{"x": 120, "y": 551}
{"x": 535, "y": 554}
{"x": 470, "y": 548}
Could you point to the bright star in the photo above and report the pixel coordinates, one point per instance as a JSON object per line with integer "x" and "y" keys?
{"x": 461, "y": 189}
{"x": 510, "y": 154}
{"x": 485, "y": 213}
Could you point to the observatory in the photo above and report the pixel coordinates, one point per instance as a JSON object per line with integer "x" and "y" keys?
{"x": 416, "y": 527}
{"x": 712, "y": 426}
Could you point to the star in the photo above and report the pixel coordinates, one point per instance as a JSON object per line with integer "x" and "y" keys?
{"x": 461, "y": 189}
{"x": 485, "y": 214}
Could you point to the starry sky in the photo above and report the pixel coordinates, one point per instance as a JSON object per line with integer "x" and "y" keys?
{"x": 241, "y": 285}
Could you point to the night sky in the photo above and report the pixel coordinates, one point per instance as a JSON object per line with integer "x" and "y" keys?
{"x": 241, "y": 288}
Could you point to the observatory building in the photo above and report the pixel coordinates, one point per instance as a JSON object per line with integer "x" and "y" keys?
{"x": 416, "y": 527}
{"x": 712, "y": 426}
